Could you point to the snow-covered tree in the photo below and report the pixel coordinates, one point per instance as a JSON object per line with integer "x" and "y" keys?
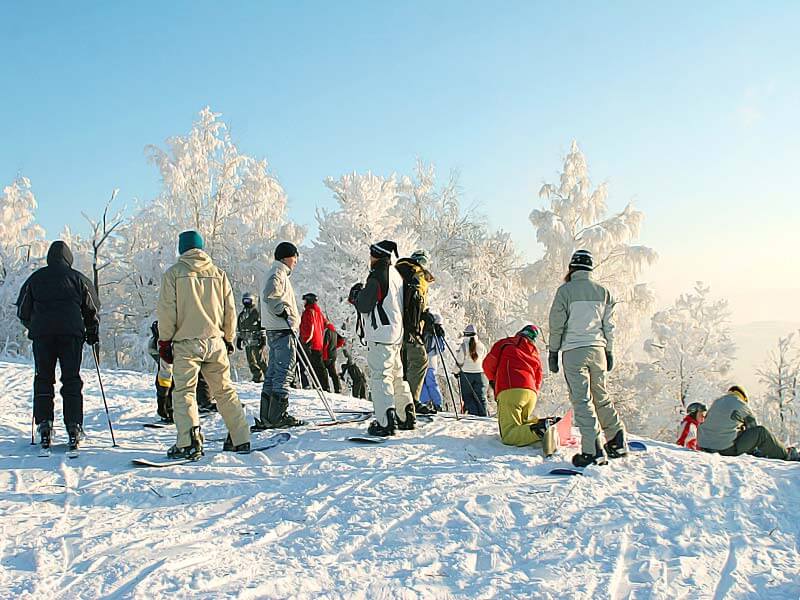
{"x": 367, "y": 212}
{"x": 691, "y": 351}
{"x": 578, "y": 218}
{"x": 477, "y": 270}
{"x": 22, "y": 249}
{"x": 780, "y": 376}
{"x": 208, "y": 185}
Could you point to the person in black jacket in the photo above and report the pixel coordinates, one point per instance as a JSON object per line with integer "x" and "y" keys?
{"x": 58, "y": 306}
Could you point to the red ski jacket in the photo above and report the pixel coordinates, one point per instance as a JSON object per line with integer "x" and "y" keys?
{"x": 687, "y": 433}
{"x": 329, "y": 347}
{"x": 512, "y": 363}
{"x": 312, "y": 326}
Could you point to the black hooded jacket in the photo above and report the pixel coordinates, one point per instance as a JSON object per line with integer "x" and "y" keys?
{"x": 57, "y": 299}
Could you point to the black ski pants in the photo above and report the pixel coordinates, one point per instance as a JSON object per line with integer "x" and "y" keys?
{"x": 330, "y": 366}
{"x": 67, "y": 351}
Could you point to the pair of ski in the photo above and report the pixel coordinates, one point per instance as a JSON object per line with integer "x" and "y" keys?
{"x": 268, "y": 444}
{"x": 46, "y": 452}
{"x": 634, "y": 446}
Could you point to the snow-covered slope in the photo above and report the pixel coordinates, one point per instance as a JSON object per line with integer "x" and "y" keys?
{"x": 442, "y": 512}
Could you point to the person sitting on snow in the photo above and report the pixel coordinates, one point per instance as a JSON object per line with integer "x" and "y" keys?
{"x": 514, "y": 370}
{"x": 730, "y": 429}
{"x": 687, "y": 432}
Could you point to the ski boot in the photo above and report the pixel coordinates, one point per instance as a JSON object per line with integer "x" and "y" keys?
{"x": 792, "y": 454}
{"x": 228, "y": 446}
{"x": 191, "y": 452}
{"x": 411, "y": 419}
{"x": 45, "y": 431}
{"x": 261, "y": 425}
{"x": 287, "y": 421}
{"x": 617, "y": 447}
{"x": 546, "y": 430}
{"x": 378, "y": 430}
{"x": 584, "y": 459}
{"x": 423, "y": 409}
{"x": 75, "y": 435}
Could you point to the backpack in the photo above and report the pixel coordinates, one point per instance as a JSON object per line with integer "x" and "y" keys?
{"x": 414, "y": 292}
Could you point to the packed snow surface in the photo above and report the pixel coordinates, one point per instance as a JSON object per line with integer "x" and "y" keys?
{"x": 446, "y": 511}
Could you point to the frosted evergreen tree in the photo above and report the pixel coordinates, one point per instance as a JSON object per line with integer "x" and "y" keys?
{"x": 577, "y": 217}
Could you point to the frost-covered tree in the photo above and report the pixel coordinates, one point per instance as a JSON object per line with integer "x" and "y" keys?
{"x": 477, "y": 270}
{"x": 22, "y": 249}
{"x": 691, "y": 351}
{"x": 367, "y": 211}
{"x": 208, "y": 185}
{"x": 577, "y": 217}
{"x": 779, "y": 375}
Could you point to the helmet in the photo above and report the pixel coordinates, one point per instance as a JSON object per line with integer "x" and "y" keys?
{"x": 737, "y": 389}
{"x": 421, "y": 257}
{"x": 696, "y": 407}
{"x": 582, "y": 259}
{"x": 530, "y": 331}
{"x": 248, "y": 299}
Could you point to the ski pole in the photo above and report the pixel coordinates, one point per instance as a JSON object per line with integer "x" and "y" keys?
{"x": 312, "y": 375}
{"x": 103, "y": 394}
{"x": 447, "y": 377}
{"x": 469, "y": 383}
{"x": 33, "y": 427}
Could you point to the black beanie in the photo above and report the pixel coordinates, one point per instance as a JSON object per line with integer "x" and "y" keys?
{"x": 383, "y": 249}
{"x": 285, "y": 250}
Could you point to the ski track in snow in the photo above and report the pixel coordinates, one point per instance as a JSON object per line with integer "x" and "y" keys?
{"x": 446, "y": 511}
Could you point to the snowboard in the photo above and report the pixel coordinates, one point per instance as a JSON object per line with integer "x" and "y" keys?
{"x": 634, "y": 446}
{"x": 366, "y": 439}
{"x": 268, "y": 444}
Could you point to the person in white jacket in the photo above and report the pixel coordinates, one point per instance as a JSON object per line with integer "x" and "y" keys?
{"x": 469, "y": 359}
{"x": 380, "y": 302}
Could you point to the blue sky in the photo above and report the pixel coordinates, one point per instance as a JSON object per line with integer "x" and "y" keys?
{"x": 688, "y": 109}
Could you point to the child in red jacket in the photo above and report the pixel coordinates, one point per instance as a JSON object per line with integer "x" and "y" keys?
{"x": 687, "y": 432}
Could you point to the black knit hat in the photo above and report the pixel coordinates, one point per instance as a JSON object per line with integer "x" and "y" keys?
{"x": 285, "y": 250}
{"x": 383, "y": 249}
{"x": 582, "y": 260}
{"x": 310, "y": 298}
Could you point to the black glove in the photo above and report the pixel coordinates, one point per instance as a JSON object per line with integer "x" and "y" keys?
{"x": 352, "y": 297}
{"x": 262, "y": 339}
{"x": 229, "y": 347}
{"x": 750, "y": 422}
{"x": 609, "y": 361}
{"x": 552, "y": 361}
{"x": 438, "y": 330}
{"x": 92, "y": 337}
{"x": 239, "y": 343}
{"x": 284, "y": 315}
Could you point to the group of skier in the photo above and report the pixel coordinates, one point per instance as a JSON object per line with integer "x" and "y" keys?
{"x": 197, "y": 326}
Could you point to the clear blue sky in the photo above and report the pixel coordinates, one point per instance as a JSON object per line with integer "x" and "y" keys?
{"x": 690, "y": 109}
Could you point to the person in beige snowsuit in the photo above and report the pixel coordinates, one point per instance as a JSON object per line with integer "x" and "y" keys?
{"x": 197, "y": 324}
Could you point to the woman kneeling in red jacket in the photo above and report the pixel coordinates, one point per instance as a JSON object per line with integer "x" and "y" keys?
{"x": 515, "y": 372}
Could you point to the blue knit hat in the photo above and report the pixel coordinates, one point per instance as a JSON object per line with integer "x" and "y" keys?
{"x": 188, "y": 240}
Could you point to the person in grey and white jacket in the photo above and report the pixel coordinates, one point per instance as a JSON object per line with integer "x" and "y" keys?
{"x": 280, "y": 318}
{"x": 582, "y": 329}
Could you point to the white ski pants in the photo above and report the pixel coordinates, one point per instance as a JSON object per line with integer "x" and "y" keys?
{"x": 386, "y": 383}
